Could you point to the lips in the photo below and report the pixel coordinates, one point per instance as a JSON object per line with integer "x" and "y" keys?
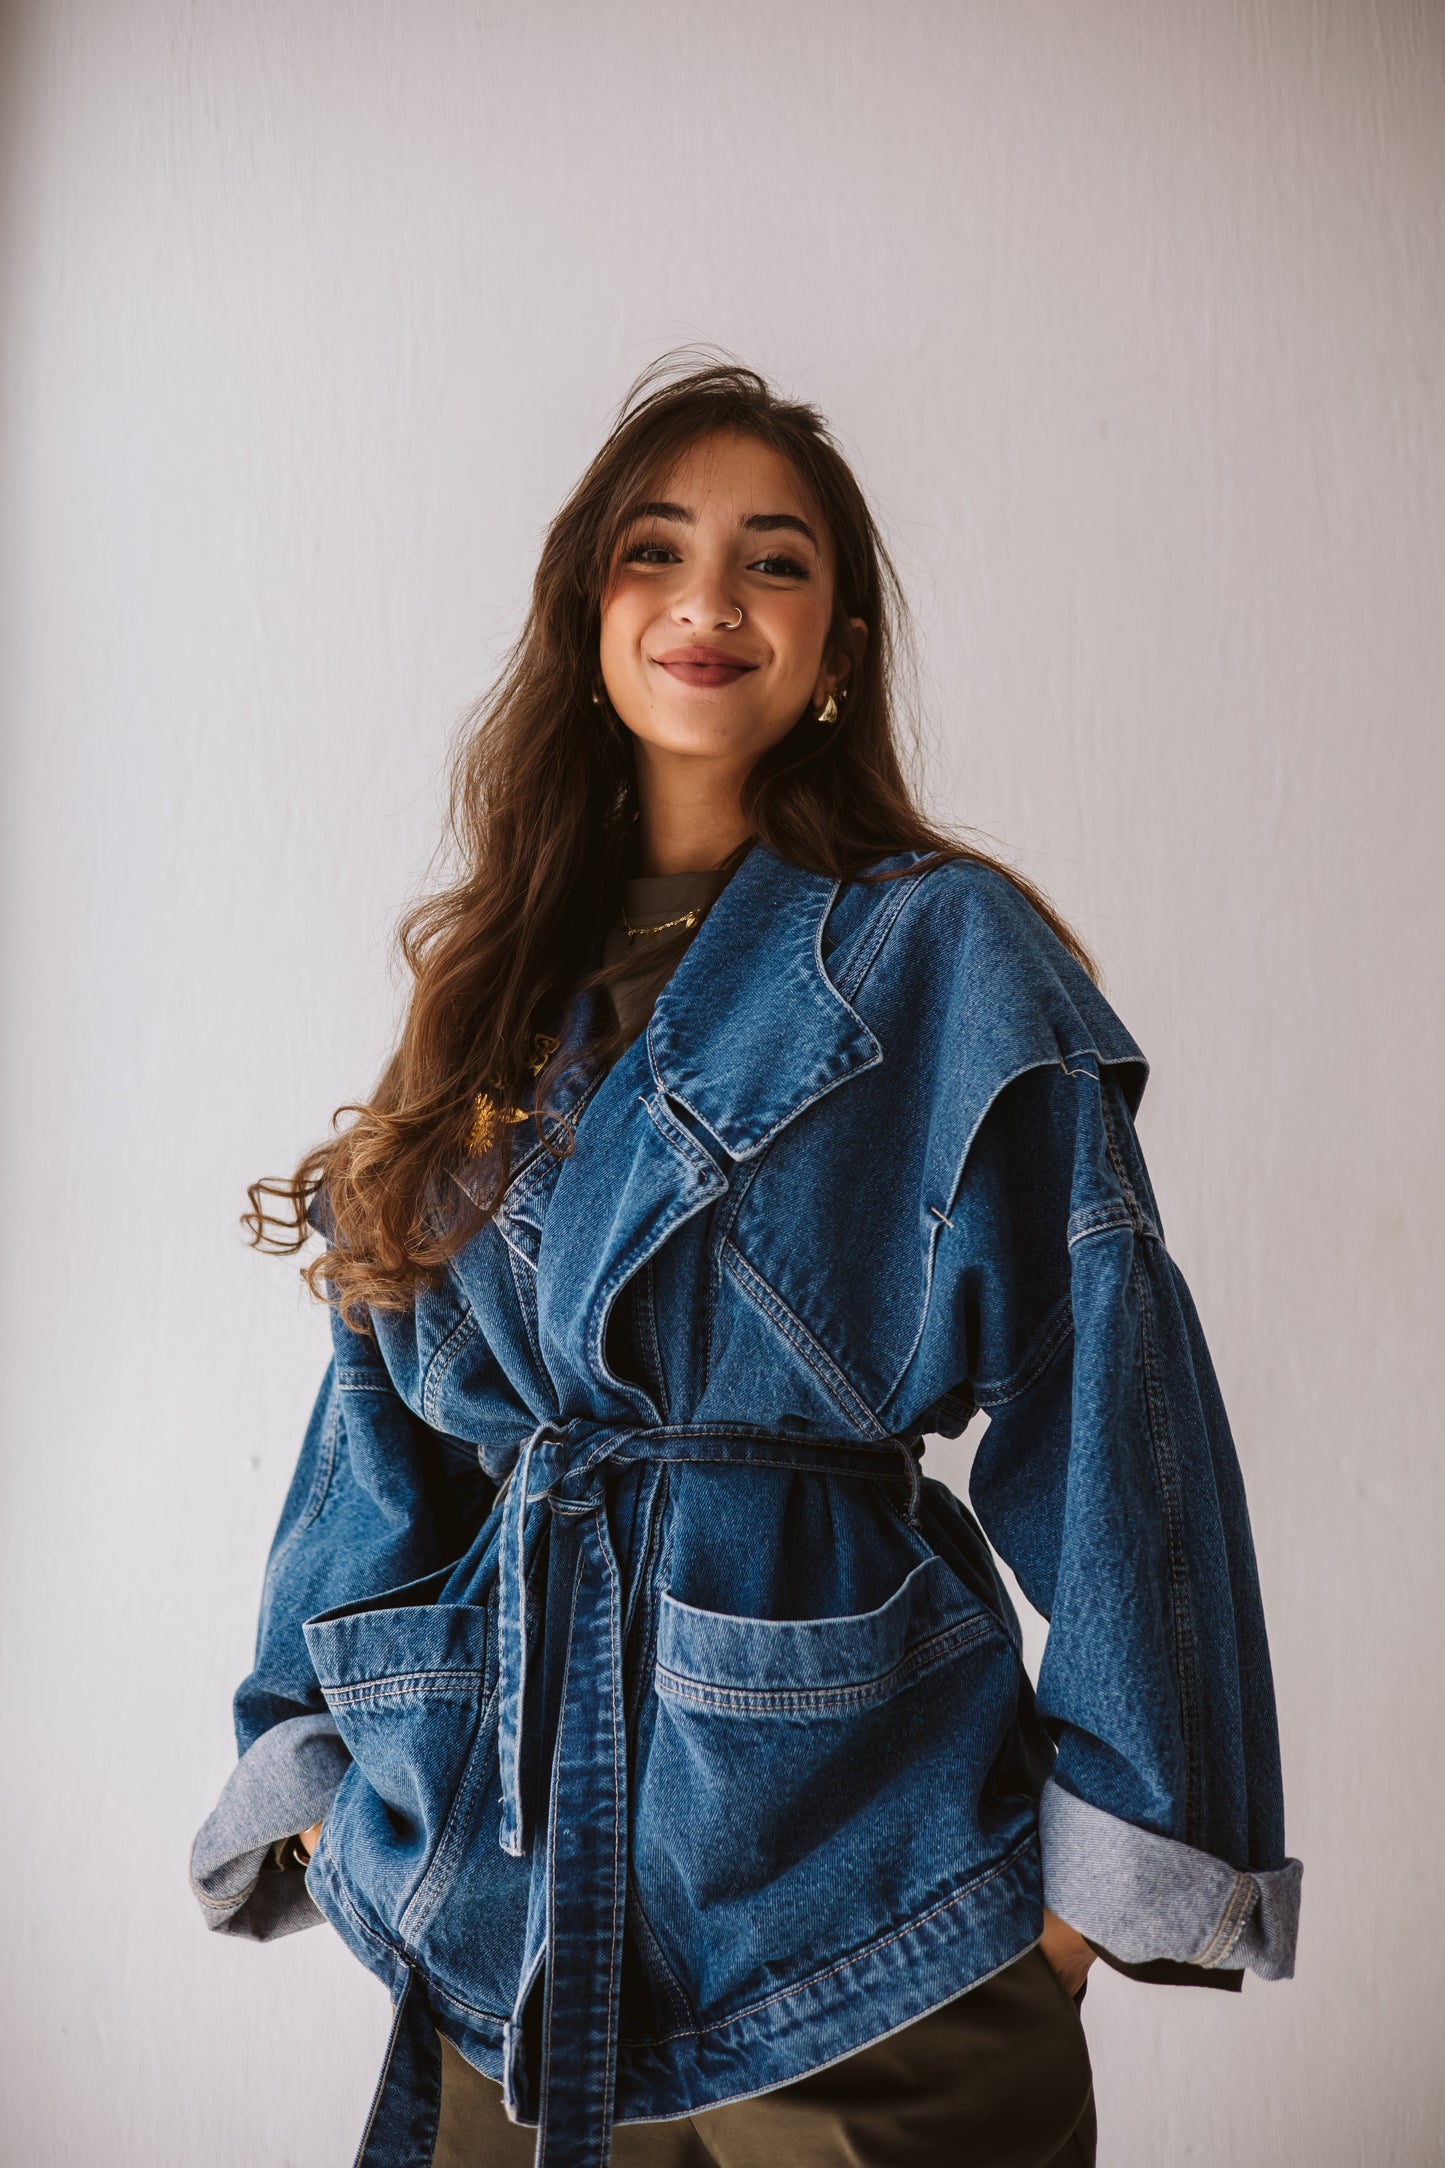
{"x": 703, "y": 666}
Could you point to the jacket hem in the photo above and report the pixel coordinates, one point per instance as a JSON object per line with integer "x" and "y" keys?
{"x": 900, "y": 1976}
{"x": 988, "y": 1923}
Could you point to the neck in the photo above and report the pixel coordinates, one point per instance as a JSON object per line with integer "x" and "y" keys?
{"x": 689, "y": 813}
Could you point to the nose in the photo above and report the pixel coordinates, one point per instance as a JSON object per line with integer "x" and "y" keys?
{"x": 705, "y": 605}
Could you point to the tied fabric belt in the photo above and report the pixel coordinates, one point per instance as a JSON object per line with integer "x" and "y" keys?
{"x": 580, "y": 1870}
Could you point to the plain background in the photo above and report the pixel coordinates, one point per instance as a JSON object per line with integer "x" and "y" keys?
{"x": 1130, "y": 315}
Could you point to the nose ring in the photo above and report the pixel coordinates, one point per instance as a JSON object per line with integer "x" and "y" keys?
{"x": 734, "y": 626}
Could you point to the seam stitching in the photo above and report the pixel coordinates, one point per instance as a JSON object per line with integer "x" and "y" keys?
{"x": 227, "y": 1904}
{"x": 441, "y": 1362}
{"x": 760, "y": 1700}
{"x": 431, "y": 1887}
{"x": 1166, "y": 1474}
{"x": 852, "y": 979}
{"x": 1053, "y": 1334}
{"x": 1231, "y": 1922}
{"x": 1139, "y": 1219}
{"x": 855, "y": 1957}
{"x": 794, "y": 1330}
{"x": 526, "y": 1301}
{"x": 382, "y": 1944}
{"x": 402, "y": 1684}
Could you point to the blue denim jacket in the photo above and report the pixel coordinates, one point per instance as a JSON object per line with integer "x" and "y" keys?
{"x": 670, "y": 1723}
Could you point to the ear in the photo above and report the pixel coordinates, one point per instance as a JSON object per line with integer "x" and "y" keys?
{"x": 839, "y": 662}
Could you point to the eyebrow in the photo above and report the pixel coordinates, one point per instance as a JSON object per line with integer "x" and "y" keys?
{"x": 755, "y": 522}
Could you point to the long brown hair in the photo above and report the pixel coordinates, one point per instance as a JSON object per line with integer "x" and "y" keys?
{"x": 542, "y": 804}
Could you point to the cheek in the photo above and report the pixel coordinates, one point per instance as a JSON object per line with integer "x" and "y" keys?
{"x": 796, "y": 628}
{"x": 624, "y": 621}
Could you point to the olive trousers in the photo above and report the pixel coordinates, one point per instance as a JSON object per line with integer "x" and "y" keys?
{"x": 997, "y": 2078}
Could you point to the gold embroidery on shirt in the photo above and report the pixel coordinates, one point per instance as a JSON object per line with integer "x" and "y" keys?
{"x": 483, "y": 1133}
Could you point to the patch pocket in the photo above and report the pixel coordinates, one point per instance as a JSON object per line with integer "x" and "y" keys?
{"x": 794, "y": 1667}
{"x": 411, "y": 1685}
{"x": 809, "y": 1785}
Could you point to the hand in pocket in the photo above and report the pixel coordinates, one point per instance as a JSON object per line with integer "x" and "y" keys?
{"x": 1066, "y": 1951}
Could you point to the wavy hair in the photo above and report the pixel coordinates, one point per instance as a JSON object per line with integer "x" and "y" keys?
{"x": 542, "y": 804}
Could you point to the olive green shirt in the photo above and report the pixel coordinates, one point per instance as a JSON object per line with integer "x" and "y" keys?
{"x": 649, "y": 903}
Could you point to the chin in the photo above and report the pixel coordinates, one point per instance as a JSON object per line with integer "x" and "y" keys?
{"x": 702, "y": 738}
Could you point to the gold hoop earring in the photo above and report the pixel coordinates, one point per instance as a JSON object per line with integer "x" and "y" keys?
{"x": 828, "y": 712}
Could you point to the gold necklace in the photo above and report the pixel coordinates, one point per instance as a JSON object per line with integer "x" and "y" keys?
{"x": 689, "y": 918}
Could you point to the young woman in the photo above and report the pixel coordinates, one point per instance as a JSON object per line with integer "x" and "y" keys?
{"x": 639, "y": 1711}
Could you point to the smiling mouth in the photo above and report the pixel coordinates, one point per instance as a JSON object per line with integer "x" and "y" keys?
{"x": 703, "y": 666}
{"x": 708, "y": 673}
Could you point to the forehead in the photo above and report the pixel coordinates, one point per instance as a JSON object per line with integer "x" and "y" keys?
{"x": 732, "y": 472}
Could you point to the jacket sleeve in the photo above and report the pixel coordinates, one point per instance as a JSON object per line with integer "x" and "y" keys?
{"x": 378, "y": 1498}
{"x": 1107, "y": 1478}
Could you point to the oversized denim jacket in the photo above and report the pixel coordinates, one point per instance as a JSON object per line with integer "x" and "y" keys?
{"x": 669, "y": 1722}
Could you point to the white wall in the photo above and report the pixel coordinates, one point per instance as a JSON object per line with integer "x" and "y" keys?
{"x": 1131, "y": 315}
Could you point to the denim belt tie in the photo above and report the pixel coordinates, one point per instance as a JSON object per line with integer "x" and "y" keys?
{"x": 583, "y": 1864}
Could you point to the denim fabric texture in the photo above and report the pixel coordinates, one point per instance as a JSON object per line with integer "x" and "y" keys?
{"x": 284, "y": 1784}
{"x": 688, "y": 1745}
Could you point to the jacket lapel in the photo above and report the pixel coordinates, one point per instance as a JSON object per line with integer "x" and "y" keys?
{"x": 746, "y": 1033}
{"x": 750, "y": 1029}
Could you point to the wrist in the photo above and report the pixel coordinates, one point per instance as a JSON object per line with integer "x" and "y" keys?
{"x": 289, "y": 1853}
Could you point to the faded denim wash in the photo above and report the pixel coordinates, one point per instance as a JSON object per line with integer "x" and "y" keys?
{"x": 682, "y": 1736}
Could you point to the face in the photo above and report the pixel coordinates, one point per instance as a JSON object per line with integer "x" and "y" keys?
{"x": 729, "y": 534}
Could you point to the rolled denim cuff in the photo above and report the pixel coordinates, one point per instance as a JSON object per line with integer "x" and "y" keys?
{"x": 280, "y": 1786}
{"x": 1146, "y": 1897}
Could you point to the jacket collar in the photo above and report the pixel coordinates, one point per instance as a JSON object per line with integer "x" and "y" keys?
{"x": 747, "y": 1031}
{"x": 750, "y": 1029}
